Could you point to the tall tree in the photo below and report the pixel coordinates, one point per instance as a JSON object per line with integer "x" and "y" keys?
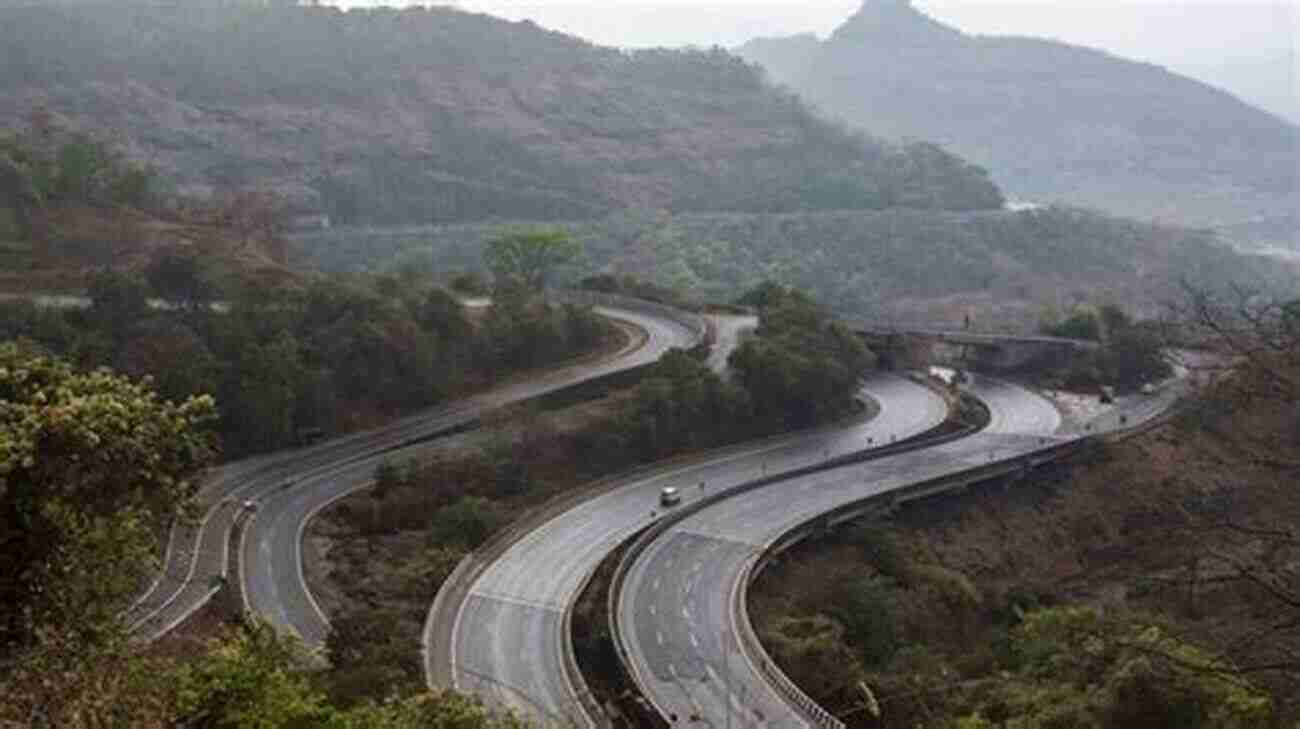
{"x": 527, "y": 257}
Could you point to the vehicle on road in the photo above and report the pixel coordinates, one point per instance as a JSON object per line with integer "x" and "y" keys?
{"x": 670, "y": 496}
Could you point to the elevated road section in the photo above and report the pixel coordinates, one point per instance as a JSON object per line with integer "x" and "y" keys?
{"x": 916, "y": 344}
{"x": 681, "y": 613}
{"x": 508, "y": 641}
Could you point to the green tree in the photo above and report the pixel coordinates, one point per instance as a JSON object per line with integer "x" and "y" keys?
{"x": 19, "y": 192}
{"x": 1076, "y": 667}
{"x": 371, "y": 656}
{"x": 253, "y": 680}
{"x": 526, "y": 258}
{"x": 466, "y": 523}
{"x": 81, "y": 166}
{"x": 181, "y": 277}
{"x": 801, "y": 367}
{"x": 172, "y": 354}
{"x": 117, "y": 299}
{"x": 89, "y": 464}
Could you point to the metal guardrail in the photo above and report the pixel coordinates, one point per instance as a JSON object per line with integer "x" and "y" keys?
{"x": 754, "y": 650}
{"x": 890, "y": 500}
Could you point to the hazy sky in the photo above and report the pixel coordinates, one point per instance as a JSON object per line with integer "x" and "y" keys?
{"x": 1246, "y": 45}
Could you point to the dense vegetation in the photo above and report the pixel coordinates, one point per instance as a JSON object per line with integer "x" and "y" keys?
{"x": 1130, "y": 353}
{"x": 88, "y": 460}
{"x": 1151, "y": 584}
{"x": 859, "y": 263}
{"x": 1052, "y": 122}
{"x": 49, "y": 166}
{"x": 324, "y": 356}
{"x": 431, "y": 114}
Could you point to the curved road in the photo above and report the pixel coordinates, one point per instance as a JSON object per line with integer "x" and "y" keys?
{"x": 196, "y": 556}
{"x": 271, "y": 549}
{"x": 676, "y": 611}
{"x": 508, "y": 638}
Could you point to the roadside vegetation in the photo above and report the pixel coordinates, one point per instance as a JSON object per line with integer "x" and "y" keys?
{"x": 933, "y": 266}
{"x": 1150, "y": 584}
{"x": 1129, "y": 354}
{"x": 288, "y": 360}
{"x": 88, "y": 462}
{"x": 389, "y": 549}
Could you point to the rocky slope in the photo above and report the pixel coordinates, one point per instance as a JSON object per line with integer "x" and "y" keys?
{"x": 1053, "y": 122}
{"x": 434, "y": 115}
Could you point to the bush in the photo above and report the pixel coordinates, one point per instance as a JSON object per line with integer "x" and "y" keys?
{"x": 467, "y": 523}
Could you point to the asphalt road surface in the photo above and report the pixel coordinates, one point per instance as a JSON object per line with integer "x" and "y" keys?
{"x": 286, "y": 487}
{"x": 729, "y": 330}
{"x": 508, "y": 640}
{"x": 676, "y": 611}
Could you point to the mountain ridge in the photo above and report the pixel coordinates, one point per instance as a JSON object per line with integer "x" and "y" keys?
{"x": 435, "y": 114}
{"x": 1050, "y": 120}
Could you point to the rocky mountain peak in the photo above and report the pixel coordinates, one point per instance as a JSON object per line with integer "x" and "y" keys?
{"x": 891, "y": 23}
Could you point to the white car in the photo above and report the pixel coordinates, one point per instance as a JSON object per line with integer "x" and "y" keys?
{"x": 670, "y": 496}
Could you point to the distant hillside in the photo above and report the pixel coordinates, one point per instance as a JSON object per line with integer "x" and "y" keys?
{"x": 71, "y": 205}
{"x": 895, "y": 263}
{"x": 433, "y": 115}
{"x": 1052, "y": 122}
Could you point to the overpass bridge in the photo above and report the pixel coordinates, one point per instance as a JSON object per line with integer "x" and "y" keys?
{"x": 904, "y": 345}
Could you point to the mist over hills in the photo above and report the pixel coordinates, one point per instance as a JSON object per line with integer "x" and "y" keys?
{"x": 436, "y": 115}
{"x": 1053, "y": 121}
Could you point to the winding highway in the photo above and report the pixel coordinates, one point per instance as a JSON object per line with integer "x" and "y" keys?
{"x": 507, "y": 637}
{"x": 680, "y": 611}
{"x": 508, "y": 641}
{"x": 285, "y": 488}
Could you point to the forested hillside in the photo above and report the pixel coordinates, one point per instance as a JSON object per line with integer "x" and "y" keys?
{"x": 435, "y": 115}
{"x": 1052, "y": 122}
{"x": 899, "y": 263}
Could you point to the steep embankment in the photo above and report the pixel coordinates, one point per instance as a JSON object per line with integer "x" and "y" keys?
{"x": 433, "y": 114}
{"x": 1052, "y": 121}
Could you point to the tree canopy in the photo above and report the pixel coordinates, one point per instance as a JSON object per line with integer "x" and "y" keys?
{"x": 526, "y": 258}
{"x": 89, "y": 463}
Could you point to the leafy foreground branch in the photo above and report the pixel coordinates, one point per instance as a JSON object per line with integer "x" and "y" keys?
{"x": 87, "y": 462}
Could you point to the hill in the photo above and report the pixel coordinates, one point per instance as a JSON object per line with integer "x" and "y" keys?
{"x": 1006, "y": 266}
{"x": 1051, "y": 121}
{"x": 436, "y": 115}
{"x": 72, "y": 204}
